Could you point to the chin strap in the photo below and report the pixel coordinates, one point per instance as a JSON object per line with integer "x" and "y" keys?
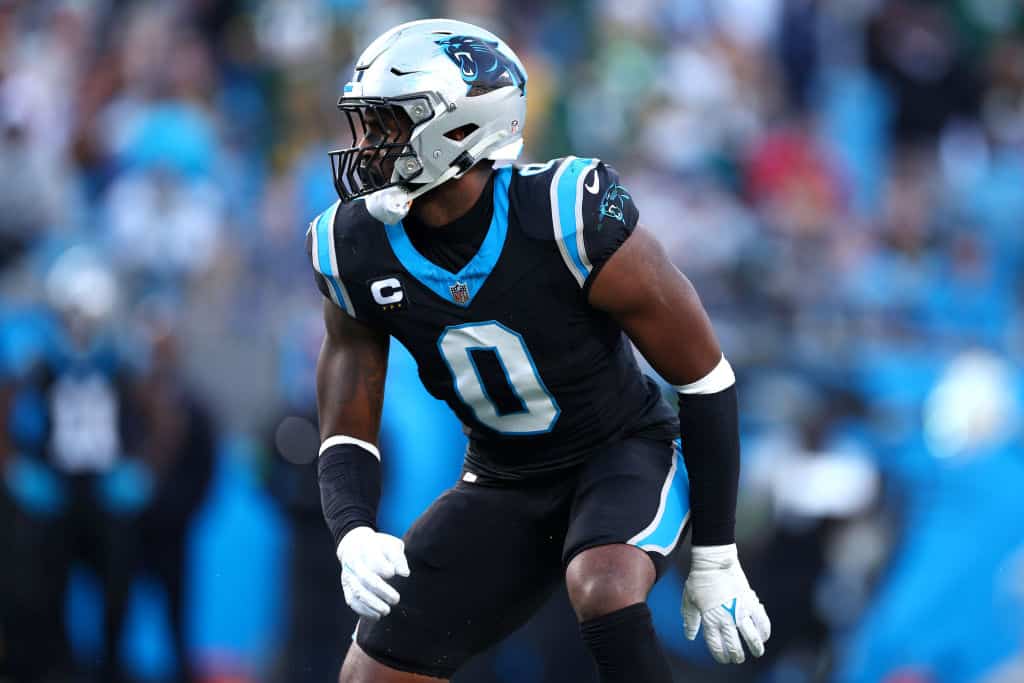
{"x": 392, "y": 204}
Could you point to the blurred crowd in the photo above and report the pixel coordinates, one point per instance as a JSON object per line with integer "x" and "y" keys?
{"x": 843, "y": 182}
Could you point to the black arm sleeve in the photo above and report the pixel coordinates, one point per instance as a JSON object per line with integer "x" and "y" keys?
{"x": 709, "y": 424}
{"x": 350, "y": 483}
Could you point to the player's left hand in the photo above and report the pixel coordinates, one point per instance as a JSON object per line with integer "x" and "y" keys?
{"x": 718, "y": 596}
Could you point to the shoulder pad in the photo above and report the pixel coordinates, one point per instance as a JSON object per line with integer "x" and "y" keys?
{"x": 331, "y": 243}
{"x": 582, "y": 208}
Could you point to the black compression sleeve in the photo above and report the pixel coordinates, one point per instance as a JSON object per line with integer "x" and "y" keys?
{"x": 349, "y": 479}
{"x": 709, "y": 424}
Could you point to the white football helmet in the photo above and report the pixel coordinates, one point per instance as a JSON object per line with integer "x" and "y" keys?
{"x": 429, "y": 99}
{"x": 80, "y": 284}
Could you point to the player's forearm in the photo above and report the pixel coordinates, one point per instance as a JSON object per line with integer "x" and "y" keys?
{"x": 350, "y": 385}
{"x": 348, "y": 472}
{"x": 348, "y": 464}
{"x": 709, "y": 425}
{"x": 661, "y": 312}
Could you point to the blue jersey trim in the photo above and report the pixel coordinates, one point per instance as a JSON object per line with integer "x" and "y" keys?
{"x": 323, "y": 244}
{"x": 663, "y": 537}
{"x": 474, "y": 273}
{"x": 568, "y": 197}
{"x": 324, "y": 234}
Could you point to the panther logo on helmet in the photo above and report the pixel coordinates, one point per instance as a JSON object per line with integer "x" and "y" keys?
{"x": 483, "y": 66}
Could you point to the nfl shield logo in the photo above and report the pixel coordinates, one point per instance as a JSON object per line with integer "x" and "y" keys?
{"x": 460, "y": 292}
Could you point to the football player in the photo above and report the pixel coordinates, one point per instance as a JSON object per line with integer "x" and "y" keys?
{"x": 80, "y": 478}
{"x": 518, "y": 290}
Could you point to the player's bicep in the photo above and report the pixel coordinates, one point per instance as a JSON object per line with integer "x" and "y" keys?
{"x": 658, "y": 308}
{"x": 350, "y": 376}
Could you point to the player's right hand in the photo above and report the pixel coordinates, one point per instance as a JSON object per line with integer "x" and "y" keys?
{"x": 368, "y": 559}
{"x": 718, "y": 597}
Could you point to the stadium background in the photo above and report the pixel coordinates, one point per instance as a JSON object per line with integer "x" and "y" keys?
{"x": 843, "y": 181}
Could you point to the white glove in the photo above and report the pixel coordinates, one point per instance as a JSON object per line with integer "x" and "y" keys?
{"x": 368, "y": 559}
{"x": 717, "y": 594}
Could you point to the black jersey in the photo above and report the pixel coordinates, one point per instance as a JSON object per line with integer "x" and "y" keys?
{"x": 89, "y": 420}
{"x": 538, "y": 377}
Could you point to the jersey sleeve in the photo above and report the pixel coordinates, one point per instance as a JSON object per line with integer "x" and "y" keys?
{"x": 323, "y": 255}
{"x": 609, "y": 214}
{"x": 592, "y": 215}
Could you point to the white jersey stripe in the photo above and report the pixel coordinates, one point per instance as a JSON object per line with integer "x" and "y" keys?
{"x": 314, "y": 232}
{"x": 335, "y": 266}
{"x": 580, "y": 244}
{"x": 557, "y": 222}
{"x": 331, "y": 213}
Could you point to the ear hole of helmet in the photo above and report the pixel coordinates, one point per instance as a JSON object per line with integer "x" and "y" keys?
{"x": 462, "y": 132}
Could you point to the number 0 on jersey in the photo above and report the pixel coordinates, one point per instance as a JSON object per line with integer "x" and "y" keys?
{"x": 519, "y": 403}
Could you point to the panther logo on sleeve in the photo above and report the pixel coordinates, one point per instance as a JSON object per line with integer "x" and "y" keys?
{"x": 483, "y": 67}
{"x": 613, "y": 204}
